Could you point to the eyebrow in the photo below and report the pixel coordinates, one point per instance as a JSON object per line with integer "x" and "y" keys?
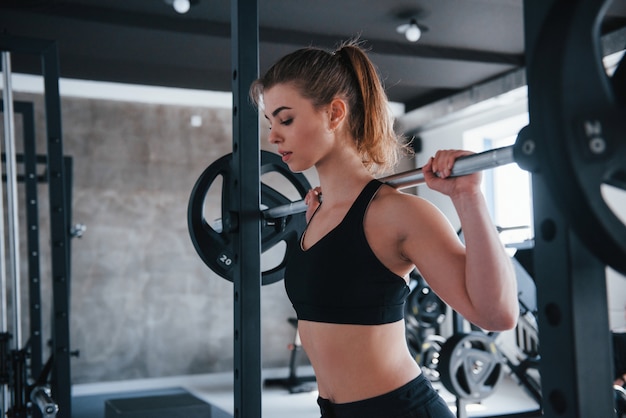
{"x": 280, "y": 109}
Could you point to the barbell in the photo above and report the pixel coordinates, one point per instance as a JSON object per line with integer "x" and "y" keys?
{"x": 463, "y": 166}
{"x": 282, "y": 220}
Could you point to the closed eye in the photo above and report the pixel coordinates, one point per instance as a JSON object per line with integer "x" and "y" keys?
{"x": 285, "y": 122}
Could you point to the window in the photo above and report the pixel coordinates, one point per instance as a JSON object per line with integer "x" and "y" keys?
{"x": 507, "y": 188}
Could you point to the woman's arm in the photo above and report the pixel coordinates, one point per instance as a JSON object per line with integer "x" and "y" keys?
{"x": 476, "y": 279}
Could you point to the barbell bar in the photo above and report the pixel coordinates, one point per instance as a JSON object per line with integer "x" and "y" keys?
{"x": 462, "y": 166}
{"x": 284, "y": 219}
{"x": 284, "y": 216}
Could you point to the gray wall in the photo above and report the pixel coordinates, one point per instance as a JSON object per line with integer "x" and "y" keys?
{"x": 143, "y": 304}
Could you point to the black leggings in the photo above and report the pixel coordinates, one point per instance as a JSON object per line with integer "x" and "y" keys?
{"x": 416, "y": 399}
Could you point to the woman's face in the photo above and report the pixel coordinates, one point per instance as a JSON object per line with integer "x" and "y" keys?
{"x": 300, "y": 132}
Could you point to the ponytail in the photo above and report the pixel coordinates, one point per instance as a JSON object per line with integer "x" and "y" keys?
{"x": 379, "y": 145}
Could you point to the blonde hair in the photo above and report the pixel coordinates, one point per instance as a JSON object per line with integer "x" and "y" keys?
{"x": 348, "y": 73}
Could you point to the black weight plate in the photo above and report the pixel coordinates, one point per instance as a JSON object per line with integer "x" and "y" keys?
{"x": 470, "y": 366}
{"x": 424, "y": 308}
{"x": 578, "y": 122}
{"x": 215, "y": 245}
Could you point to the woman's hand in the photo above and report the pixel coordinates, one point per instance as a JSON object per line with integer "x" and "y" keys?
{"x": 437, "y": 173}
{"x": 312, "y": 199}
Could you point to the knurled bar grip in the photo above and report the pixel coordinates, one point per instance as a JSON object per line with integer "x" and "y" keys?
{"x": 462, "y": 166}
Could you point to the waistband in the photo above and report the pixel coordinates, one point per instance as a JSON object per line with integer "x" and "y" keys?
{"x": 414, "y": 394}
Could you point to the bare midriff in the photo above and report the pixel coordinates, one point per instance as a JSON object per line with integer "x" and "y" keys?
{"x": 356, "y": 362}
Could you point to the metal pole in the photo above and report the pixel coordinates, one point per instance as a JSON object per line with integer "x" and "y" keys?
{"x": 3, "y": 278}
{"x": 245, "y": 201}
{"x": 59, "y": 232}
{"x": 12, "y": 214}
{"x": 463, "y": 166}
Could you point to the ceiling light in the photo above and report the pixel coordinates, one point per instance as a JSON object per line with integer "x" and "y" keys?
{"x": 181, "y": 6}
{"x": 412, "y": 31}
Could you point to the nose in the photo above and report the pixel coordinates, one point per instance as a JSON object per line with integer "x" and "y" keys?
{"x": 273, "y": 137}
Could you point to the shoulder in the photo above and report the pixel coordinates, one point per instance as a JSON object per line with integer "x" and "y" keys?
{"x": 412, "y": 217}
{"x": 392, "y": 201}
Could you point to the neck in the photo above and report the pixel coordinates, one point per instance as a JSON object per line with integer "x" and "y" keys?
{"x": 342, "y": 176}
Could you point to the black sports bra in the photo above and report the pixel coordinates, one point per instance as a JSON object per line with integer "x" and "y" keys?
{"x": 340, "y": 280}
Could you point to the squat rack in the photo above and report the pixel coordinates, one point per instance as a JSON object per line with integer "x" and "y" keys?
{"x": 571, "y": 282}
{"x": 58, "y": 175}
{"x": 575, "y": 346}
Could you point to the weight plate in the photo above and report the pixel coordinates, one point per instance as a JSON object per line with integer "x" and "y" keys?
{"x": 578, "y": 123}
{"x": 470, "y": 366}
{"x": 215, "y": 245}
{"x": 429, "y": 357}
{"x": 423, "y": 308}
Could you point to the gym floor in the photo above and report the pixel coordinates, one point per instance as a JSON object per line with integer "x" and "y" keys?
{"x": 508, "y": 398}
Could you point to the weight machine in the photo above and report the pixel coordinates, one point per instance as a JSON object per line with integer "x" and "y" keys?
{"x": 31, "y": 387}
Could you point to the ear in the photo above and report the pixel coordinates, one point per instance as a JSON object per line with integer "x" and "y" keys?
{"x": 338, "y": 112}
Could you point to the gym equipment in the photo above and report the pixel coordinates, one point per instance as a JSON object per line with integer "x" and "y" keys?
{"x": 294, "y": 383}
{"x": 462, "y": 166}
{"x": 574, "y": 107}
{"x": 284, "y": 220}
{"x": 12, "y": 214}
{"x": 423, "y": 308}
{"x": 21, "y": 366}
{"x": 34, "y": 385}
{"x": 214, "y": 244}
{"x": 428, "y": 358}
{"x": 162, "y": 406}
{"x": 470, "y": 365}
{"x": 523, "y": 363}
{"x": 569, "y": 270}
{"x": 247, "y": 275}
{"x": 424, "y": 313}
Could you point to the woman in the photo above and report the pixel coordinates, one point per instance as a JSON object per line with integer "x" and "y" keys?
{"x": 348, "y": 279}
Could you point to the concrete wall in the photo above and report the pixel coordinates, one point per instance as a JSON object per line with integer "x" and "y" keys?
{"x": 143, "y": 304}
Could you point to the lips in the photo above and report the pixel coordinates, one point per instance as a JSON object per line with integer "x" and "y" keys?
{"x": 285, "y": 155}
